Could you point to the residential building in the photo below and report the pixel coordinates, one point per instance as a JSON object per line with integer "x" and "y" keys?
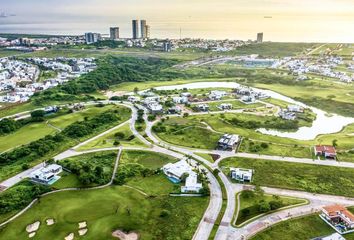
{"x": 295, "y": 108}
{"x": 143, "y": 29}
{"x": 133, "y": 99}
{"x": 241, "y": 174}
{"x": 114, "y": 33}
{"x": 191, "y": 184}
{"x": 203, "y": 107}
{"x": 259, "y": 37}
{"x": 46, "y": 175}
{"x": 180, "y": 100}
{"x": 228, "y": 141}
{"x": 248, "y": 99}
{"x": 92, "y": 37}
{"x": 167, "y": 46}
{"x": 176, "y": 171}
{"x": 147, "y": 31}
{"x": 287, "y": 115}
{"x": 155, "y": 108}
{"x": 326, "y": 151}
{"x": 225, "y": 106}
{"x": 174, "y": 110}
{"x": 338, "y": 217}
{"x": 217, "y": 95}
{"x": 135, "y": 28}
{"x": 186, "y": 94}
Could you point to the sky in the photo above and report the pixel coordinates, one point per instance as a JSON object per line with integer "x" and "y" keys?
{"x": 295, "y": 21}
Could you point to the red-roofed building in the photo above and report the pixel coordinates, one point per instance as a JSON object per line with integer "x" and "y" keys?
{"x": 326, "y": 151}
{"x": 339, "y": 218}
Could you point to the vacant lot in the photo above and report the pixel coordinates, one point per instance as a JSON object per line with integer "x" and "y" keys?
{"x": 305, "y": 177}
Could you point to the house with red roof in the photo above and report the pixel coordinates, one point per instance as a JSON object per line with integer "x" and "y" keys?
{"x": 326, "y": 151}
{"x": 338, "y": 217}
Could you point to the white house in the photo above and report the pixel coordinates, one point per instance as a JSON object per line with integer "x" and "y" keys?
{"x": 228, "y": 141}
{"x": 241, "y": 174}
{"x": 180, "y": 100}
{"x": 217, "y": 95}
{"x": 186, "y": 94}
{"x": 203, "y": 107}
{"x": 175, "y": 171}
{"x": 225, "y": 106}
{"x": 47, "y": 175}
{"x": 295, "y": 108}
{"x": 191, "y": 184}
{"x": 133, "y": 99}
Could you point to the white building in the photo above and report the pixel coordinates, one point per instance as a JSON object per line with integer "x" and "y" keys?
{"x": 133, "y": 99}
{"x": 47, "y": 175}
{"x": 225, "y": 106}
{"x": 180, "y": 100}
{"x": 241, "y": 174}
{"x": 295, "y": 108}
{"x": 217, "y": 95}
{"x": 175, "y": 171}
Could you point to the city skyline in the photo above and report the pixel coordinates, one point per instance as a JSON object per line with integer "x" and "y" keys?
{"x": 280, "y": 20}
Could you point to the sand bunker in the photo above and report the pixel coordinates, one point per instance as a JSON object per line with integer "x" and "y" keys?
{"x": 82, "y": 225}
{"x": 83, "y": 231}
{"x": 123, "y": 236}
{"x": 33, "y": 227}
{"x": 50, "y": 221}
{"x": 69, "y": 237}
{"x": 32, "y": 234}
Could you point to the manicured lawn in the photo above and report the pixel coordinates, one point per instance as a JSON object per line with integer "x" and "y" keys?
{"x": 252, "y": 146}
{"x": 67, "y": 180}
{"x": 305, "y": 177}
{"x": 108, "y": 209}
{"x": 25, "y": 135}
{"x": 303, "y": 228}
{"x": 148, "y": 159}
{"x": 250, "y": 204}
{"x": 109, "y": 139}
{"x": 277, "y": 102}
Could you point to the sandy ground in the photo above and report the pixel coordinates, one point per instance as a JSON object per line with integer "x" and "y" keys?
{"x": 32, "y": 234}
{"x": 33, "y": 227}
{"x": 123, "y": 236}
{"x": 110, "y": 94}
{"x": 50, "y": 221}
{"x": 69, "y": 237}
{"x": 82, "y": 225}
{"x": 83, "y": 231}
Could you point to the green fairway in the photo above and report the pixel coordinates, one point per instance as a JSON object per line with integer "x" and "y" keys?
{"x": 297, "y": 176}
{"x": 254, "y": 204}
{"x": 120, "y": 208}
{"x": 236, "y": 104}
{"x": 303, "y": 228}
{"x": 35, "y": 131}
{"x": 109, "y": 140}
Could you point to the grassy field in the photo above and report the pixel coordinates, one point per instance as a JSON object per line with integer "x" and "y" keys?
{"x": 109, "y": 139}
{"x": 104, "y": 159}
{"x": 305, "y": 177}
{"x": 35, "y": 131}
{"x": 193, "y": 134}
{"x": 206, "y": 156}
{"x": 250, "y": 204}
{"x": 303, "y": 228}
{"x": 252, "y": 146}
{"x": 148, "y": 159}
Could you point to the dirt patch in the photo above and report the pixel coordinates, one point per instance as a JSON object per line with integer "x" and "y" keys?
{"x": 215, "y": 157}
{"x": 110, "y": 94}
{"x": 125, "y": 236}
{"x": 33, "y": 227}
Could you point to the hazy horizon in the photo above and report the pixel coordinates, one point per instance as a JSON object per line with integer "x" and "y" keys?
{"x": 301, "y": 21}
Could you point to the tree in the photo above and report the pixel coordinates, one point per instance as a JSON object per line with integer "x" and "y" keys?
{"x": 334, "y": 143}
{"x": 136, "y": 90}
{"x": 275, "y": 204}
{"x": 245, "y": 212}
{"x": 264, "y": 206}
{"x": 38, "y": 115}
{"x": 119, "y": 135}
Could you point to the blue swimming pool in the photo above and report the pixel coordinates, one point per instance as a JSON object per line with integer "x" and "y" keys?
{"x": 56, "y": 178}
{"x": 174, "y": 180}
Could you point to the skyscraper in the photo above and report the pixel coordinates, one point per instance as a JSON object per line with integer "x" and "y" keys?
{"x": 92, "y": 37}
{"x": 114, "y": 33}
{"x": 135, "y": 25}
{"x": 259, "y": 37}
{"x": 147, "y": 30}
{"x": 143, "y": 29}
